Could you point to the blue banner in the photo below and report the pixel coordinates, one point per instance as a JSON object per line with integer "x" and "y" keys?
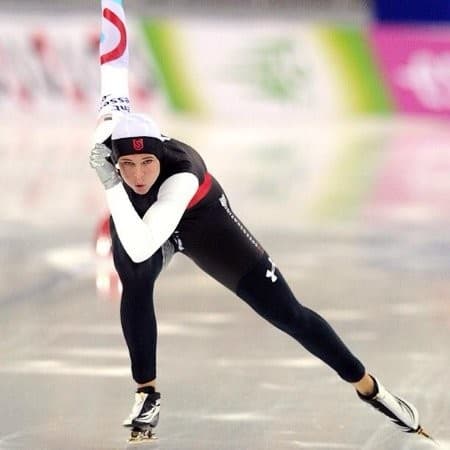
{"x": 420, "y": 11}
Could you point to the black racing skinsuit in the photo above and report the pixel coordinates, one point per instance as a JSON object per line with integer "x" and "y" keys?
{"x": 212, "y": 236}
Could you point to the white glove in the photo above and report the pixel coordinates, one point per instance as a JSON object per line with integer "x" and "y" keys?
{"x": 106, "y": 172}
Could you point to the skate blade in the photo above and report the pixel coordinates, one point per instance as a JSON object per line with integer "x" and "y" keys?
{"x": 138, "y": 437}
{"x": 422, "y": 432}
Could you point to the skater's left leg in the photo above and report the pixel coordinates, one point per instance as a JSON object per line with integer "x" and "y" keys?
{"x": 224, "y": 248}
{"x": 265, "y": 290}
{"x": 227, "y": 251}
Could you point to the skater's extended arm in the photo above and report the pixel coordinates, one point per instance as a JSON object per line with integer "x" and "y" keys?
{"x": 142, "y": 237}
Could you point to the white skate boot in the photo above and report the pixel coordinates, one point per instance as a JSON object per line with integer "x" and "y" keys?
{"x": 401, "y": 412}
{"x": 144, "y": 416}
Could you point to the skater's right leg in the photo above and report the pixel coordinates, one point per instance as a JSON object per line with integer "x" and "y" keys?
{"x": 137, "y": 312}
{"x": 140, "y": 331}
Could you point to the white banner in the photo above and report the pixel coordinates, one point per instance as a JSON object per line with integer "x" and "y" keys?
{"x": 55, "y": 68}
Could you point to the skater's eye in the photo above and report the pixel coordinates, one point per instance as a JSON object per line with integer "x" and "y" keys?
{"x": 127, "y": 165}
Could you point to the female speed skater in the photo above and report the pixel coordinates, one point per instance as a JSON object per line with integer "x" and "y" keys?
{"x": 163, "y": 200}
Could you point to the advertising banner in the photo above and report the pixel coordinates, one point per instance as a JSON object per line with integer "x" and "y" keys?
{"x": 278, "y": 70}
{"x": 415, "y": 63}
{"x": 201, "y": 68}
{"x": 55, "y": 68}
{"x": 205, "y": 68}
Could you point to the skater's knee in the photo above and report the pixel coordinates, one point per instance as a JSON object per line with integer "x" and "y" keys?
{"x": 129, "y": 270}
{"x": 293, "y": 319}
{"x": 307, "y": 323}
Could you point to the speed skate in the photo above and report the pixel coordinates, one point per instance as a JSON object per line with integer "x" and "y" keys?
{"x": 401, "y": 412}
{"x": 144, "y": 415}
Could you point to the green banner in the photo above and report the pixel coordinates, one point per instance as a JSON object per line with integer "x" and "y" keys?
{"x": 361, "y": 85}
{"x": 164, "y": 41}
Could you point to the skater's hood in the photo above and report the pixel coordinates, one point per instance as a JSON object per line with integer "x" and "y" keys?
{"x": 134, "y": 134}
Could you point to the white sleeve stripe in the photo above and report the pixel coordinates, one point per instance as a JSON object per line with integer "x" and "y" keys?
{"x": 142, "y": 237}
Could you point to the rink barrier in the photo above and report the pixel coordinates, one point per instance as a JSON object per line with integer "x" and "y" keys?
{"x": 415, "y": 65}
{"x": 204, "y": 68}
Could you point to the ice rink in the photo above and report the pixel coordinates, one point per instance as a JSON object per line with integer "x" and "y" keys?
{"x": 229, "y": 380}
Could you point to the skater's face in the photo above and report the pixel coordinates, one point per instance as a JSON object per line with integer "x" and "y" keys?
{"x": 139, "y": 171}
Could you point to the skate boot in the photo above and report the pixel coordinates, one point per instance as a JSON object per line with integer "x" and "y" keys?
{"x": 401, "y": 412}
{"x": 144, "y": 415}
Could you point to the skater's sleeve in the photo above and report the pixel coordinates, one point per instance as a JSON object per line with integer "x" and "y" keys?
{"x": 142, "y": 237}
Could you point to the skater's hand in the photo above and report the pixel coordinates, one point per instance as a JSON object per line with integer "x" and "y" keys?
{"x": 106, "y": 172}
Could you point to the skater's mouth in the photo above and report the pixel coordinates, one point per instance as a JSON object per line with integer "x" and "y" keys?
{"x": 141, "y": 188}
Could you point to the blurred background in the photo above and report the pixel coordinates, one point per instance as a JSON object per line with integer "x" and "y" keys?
{"x": 326, "y": 121}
